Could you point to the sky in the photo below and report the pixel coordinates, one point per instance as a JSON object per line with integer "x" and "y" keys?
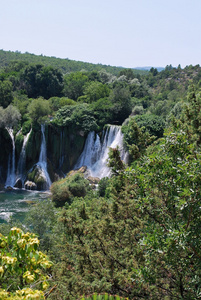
{"x": 127, "y": 33}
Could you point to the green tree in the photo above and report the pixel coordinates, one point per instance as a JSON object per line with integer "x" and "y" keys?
{"x": 155, "y": 125}
{"x": 39, "y": 110}
{"x": 74, "y": 85}
{"x": 192, "y": 113}
{"x": 96, "y": 90}
{"x": 9, "y": 117}
{"x": 6, "y": 95}
{"x": 121, "y": 99}
{"x": 78, "y": 117}
{"x": 168, "y": 184}
{"x": 39, "y": 80}
{"x": 136, "y": 139}
{"x": 128, "y": 73}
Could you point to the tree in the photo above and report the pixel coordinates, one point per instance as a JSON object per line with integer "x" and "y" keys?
{"x": 121, "y": 99}
{"x": 128, "y": 73}
{"x": 153, "y": 124}
{"x": 95, "y": 91}
{"x": 39, "y": 80}
{"x": 168, "y": 184}
{"x": 6, "y": 96}
{"x": 192, "y": 113}
{"x": 136, "y": 139}
{"x": 9, "y": 117}
{"x": 39, "y": 110}
{"x": 114, "y": 161}
{"x": 74, "y": 85}
{"x": 78, "y": 117}
{"x": 153, "y": 71}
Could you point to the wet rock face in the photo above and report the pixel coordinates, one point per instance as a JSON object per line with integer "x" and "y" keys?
{"x": 63, "y": 148}
{"x": 5, "y": 151}
{"x": 18, "y": 184}
{"x": 38, "y": 179}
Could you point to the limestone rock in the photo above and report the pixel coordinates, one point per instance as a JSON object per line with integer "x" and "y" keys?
{"x": 93, "y": 180}
{"x": 30, "y": 185}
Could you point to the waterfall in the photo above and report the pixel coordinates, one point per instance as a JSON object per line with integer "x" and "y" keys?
{"x": 95, "y": 153}
{"x": 21, "y": 163}
{"x": 10, "y": 180}
{"x": 42, "y": 163}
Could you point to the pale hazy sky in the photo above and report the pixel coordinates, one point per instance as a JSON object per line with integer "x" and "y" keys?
{"x": 128, "y": 33}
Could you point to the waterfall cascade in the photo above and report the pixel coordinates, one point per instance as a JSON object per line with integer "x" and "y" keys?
{"x": 10, "y": 180}
{"x": 95, "y": 153}
{"x": 42, "y": 163}
{"x": 21, "y": 163}
{"x": 94, "y": 156}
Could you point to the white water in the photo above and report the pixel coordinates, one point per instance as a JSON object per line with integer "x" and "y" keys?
{"x": 22, "y": 160}
{"x": 10, "y": 180}
{"x": 17, "y": 202}
{"x": 95, "y": 153}
{"x": 42, "y": 163}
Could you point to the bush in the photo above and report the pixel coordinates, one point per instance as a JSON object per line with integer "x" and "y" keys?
{"x": 155, "y": 125}
{"x": 66, "y": 189}
{"x": 21, "y": 264}
{"x": 26, "y": 127}
{"x": 103, "y": 183}
{"x": 78, "y": 186}
{"x": 60, "y": 193}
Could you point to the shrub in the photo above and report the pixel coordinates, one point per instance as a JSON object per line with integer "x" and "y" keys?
{"x": 21, "y": 264}
{"x": 66, "y": 189}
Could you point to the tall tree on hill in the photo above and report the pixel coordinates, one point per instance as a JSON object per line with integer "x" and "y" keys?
{"x": 39, "y": 80}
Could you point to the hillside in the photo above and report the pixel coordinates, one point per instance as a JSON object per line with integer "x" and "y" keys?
{"x": 65, "y": 65}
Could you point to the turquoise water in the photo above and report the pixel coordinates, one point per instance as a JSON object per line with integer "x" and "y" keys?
{"x": 17, "y": 202}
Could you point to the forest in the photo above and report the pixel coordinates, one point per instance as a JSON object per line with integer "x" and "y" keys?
{"x": 138, "y": 234}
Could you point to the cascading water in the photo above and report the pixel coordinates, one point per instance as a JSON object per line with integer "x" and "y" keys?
{"x": 10, "y": 180}
{"x": 21, "y": 163}
{"x": 42, "y": 163}
{"x": 95, "y": 153}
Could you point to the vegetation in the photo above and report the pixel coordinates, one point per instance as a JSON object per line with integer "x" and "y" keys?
{"x": 65, "y": 65}
{"x": 138, "y": 235}
{"x": 22, "y": 266}
{"x": 66, "y": 189}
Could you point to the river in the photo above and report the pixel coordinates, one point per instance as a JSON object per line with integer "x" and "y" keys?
{"x": 17, "y": 202}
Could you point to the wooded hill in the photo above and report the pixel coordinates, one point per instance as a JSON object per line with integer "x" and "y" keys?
{"x": 65, "y": 65}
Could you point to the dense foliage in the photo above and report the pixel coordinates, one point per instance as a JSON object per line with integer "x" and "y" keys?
{"x": 65, "y": 65}
{"x": 22, "y": 266}
{"x": 67, "y": 189}
{"x": 139, "y": 234}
